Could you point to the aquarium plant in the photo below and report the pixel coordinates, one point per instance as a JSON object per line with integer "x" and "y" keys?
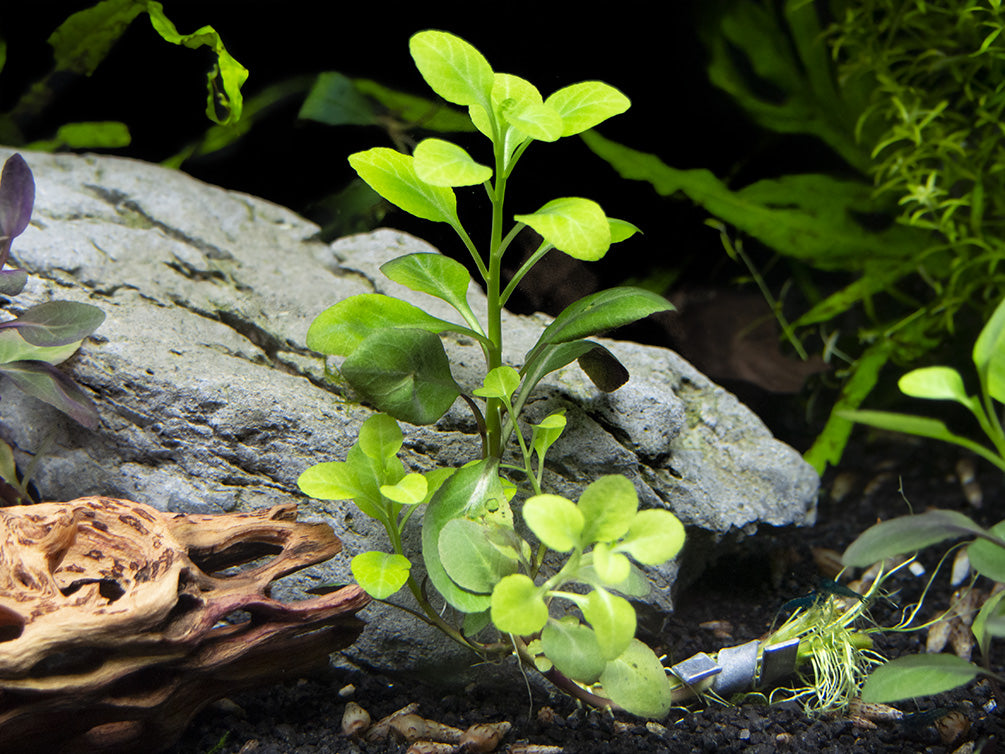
{"x": 930, "y": 674}
{"x": 393, "y": 358}
{"x": 900, "y": 253}
{"x": 42, "y": 336}
{"x": 80, "y": 44}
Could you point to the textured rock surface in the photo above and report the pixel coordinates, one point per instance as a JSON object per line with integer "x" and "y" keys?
{"x": 211, "y": 403}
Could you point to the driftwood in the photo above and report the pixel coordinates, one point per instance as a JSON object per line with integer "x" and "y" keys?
{"x": 118, "y": 622}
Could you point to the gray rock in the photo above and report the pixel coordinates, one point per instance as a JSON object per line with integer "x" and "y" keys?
{"x": 210, "y": 402}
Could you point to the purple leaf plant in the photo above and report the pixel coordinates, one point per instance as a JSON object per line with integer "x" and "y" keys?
{"x": 32, "y": 343}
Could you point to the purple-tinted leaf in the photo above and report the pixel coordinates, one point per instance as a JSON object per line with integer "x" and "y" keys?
{"x": 57, "y": 323}
{"x": 17, "y": 196}
{"x": 45, "y": 382}
{"x": 12, "y": 282}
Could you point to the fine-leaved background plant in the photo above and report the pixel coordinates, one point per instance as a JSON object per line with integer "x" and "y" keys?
{"x": 393, "y": 358}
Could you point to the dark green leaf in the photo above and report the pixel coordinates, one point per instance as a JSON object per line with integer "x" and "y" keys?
{"x": 403, "y": 372}
{"x": 600, "y": 312}
{"x": 907, "y": 534}
{"x": 335, "y": 101}
{"x": 470, "y": 492}
{"x": 603, "y": 369}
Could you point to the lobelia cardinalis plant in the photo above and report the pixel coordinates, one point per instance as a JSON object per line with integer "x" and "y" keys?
{"x": 394, "y": 360}
{"x": 43, "y": 335}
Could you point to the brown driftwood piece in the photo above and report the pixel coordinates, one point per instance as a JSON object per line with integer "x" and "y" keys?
{"x": 119, "y": 622}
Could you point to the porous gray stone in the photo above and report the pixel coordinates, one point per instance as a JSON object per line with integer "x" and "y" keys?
{"x": 210, "y": 402}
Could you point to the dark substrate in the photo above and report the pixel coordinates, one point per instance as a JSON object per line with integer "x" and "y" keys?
{"x": 304, "y": 715}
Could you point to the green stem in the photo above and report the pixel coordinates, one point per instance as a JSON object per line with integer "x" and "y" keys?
{"x": 526, "y": 267}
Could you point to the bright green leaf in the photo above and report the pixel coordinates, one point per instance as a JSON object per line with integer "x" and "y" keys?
{"x": 392, "y": 175}
{"x": 435, "y": 274}
{"x": 499, "y": 383}
{"x": 380, "y": 574}
{"x": 935, "y": 383}
{"x": 557, "y": 522}
{"x": 574, "y": 225}
{"x": 611, "y": 567}
{"x": 655, "y": 536}
{"x": 573, "y": 649}
{"x": 537, "y": 120}
{"x": 546, "y": 433}
{"x": 613, "y": 620}
{"x": 452, "y": 67}
{"x": 380, "y": 437}
{"x": 608, "y": 505}
{"x": 587, "y": 104}
{"x": 14, "y": 348}
{"x": 411, "y": 490}
{"x": 518, "y": 606}
{"x": 403, "y": 372}
{"x": 637, "y": 682}
{"x": 621, "y": 230}
{"x": 914, "y": 676}
{"x": 441, "y": 163}
{"x": 224, "y": 102}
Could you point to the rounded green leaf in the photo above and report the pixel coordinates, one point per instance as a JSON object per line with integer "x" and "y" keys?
{"x": 441, "y": 163}
{"x": 608, "y": 505}
{"x": 935, "y": 383}
{"x": 470, "y": 491}
{"x": 380, "y": 437}
{"x": 381, "y": 574}
{"x": 587, "y": 104}
{"x": 518, "y": 606}
{"x": 470, "y": 558}
{"x": 339, "y": 329}
{"x": 331, "y": 480}
{"x": 654, "y": 537}
{"x": 536, "y": 120}
{"x": 637, "y": 682}
{"x": 499, "y": 383}
{"x": 613, "y": 620}
{"x": 557, "y": 522}
{"x": 573, "y": 649}
{"x": 547, "y": 432}
{"x": 611, "y": 567}
{"x": 453, "y": 68}
{"x": 574, "y": 225}
{"x": 403, "y": 372}
{"x": 392, "y": 175}
{"x": 989, "y": 353}
{"x": 917, "y": 675}
{"x": 411, "y": 490}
